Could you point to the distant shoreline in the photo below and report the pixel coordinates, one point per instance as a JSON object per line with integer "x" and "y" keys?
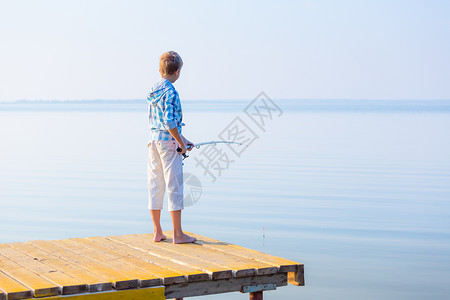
{"x": 287, "y": 105}
{"x": 218, "y": 100}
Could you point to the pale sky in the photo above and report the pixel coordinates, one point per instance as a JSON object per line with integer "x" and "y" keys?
{"x": 70, "y": 50}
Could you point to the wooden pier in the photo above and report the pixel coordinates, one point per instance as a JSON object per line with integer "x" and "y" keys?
{"x": 135, "y": 267}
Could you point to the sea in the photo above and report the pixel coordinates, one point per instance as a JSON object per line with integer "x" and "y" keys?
{"x": 357, "y": 190}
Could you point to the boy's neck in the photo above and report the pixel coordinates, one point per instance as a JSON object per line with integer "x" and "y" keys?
{"x": 172, "y": 78}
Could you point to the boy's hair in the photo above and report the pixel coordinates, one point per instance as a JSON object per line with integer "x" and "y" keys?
{"x": 169, "y": 62}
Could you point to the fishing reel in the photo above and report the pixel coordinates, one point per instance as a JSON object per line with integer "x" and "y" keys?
{"x": 188, "y": 147}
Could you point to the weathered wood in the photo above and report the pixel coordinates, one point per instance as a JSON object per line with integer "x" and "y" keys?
{"x": 162, "y": 275}
{"x": 130, "y": 278}
{"x": 149, "y": 274}
{"x": 297, "y": 277}
{"x": 240, "y": 266}
{"x": 258, "y": 288}
{"x": 134, "y": 262}
{"x": 222, "y": 286}
{"x": 170, "y": 272}
{"x": 94, "y": 282}
{"x": 284, "y": 265}
{"x": 115, "y": 262}
{"x": 39, "y": 286}
{"x": 118, "y": 279}
{"x": 215, "y": 271}
{"x": 149, "y": 293}
{"x": 13, "y": 289}
{"x": 67, "y": 284}
{"x": 190, "y": 273}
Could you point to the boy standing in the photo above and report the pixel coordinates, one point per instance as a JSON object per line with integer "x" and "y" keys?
{"x": 165, "y": 170}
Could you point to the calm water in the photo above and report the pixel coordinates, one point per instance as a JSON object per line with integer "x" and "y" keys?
{"x": 360, "y": 193}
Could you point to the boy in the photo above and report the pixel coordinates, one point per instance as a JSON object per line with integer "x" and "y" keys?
{"x": 164, "y": 162}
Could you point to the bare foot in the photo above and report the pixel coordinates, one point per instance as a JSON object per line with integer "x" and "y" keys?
{"x": 184, "y": 238}
{"x": 158, "y": 237}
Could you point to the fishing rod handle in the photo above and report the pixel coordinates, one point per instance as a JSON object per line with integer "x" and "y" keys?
{"x": 184, "y": 154}
{"x": 187, "y": 147}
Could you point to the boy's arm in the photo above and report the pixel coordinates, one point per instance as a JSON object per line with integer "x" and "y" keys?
{"x": 169, "y": 117}
{"x": 170, "y": 121}
{"x": 176, "y": 135}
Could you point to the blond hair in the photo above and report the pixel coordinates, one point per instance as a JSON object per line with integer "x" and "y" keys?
{"x": 169, "y": 62}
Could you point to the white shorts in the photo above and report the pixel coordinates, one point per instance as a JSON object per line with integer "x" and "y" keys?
{"x": 165, "y": 172}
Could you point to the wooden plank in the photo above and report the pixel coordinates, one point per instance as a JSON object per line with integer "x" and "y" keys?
{"x": 94, "y": 282}
{"x": 67, "y": 284}
{"x": 222, "y": 285}
{"x": 13, "y": 289}
{"x": 130, "y": 270}
{"x": 155, "y": 265}
{"x": 240, "y": 266}
{"x": 118, "y": 279}
{"x": 150, "y": 293}
{"x": 190, "y": 273}
{"x": 137, "y": 259}
{"x": 39, "y": 286}
{"x": 284, "y": 265}
{"x": 155, "y": 273}
{"x": 297, "y": 277}
{"x": 294, "y": 269}
{"x": 258, "y": 288}
{"x": 145, "y": 244}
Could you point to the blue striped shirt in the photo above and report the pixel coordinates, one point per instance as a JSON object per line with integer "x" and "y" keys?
{"x": 164, "y": 109}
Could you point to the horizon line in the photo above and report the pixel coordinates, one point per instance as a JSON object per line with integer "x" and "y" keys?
{"x": 18, "y": 101}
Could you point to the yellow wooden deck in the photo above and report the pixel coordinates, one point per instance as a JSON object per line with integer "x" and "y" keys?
{"x": 134, "y": 267}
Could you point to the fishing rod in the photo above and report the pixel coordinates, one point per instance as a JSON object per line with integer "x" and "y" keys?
{"x": 198, "y": 145}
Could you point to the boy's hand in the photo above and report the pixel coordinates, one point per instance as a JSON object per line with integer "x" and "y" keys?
{"x": 180, "y": 139}
{"x": 182, "y": 148}
{"x": 189, "y": 144}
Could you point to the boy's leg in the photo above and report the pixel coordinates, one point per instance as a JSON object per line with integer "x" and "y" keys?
{"x": 156, "y": 187}
{"x": 179, "y": 237}
{"x": 173, "y": 175}
{"x": 157, "y": 230}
